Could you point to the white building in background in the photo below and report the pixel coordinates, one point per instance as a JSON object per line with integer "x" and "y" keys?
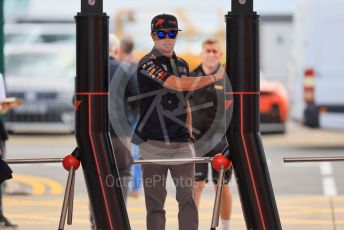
{"x": 275, "y": 44}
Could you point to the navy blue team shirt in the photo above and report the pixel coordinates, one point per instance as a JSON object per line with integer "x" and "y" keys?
{"x": 162, "y": 111}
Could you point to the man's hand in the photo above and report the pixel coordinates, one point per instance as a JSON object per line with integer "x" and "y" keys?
{"x": 15, "y": 104}
{"x": 4, "y": 107}
{"x": 9, "y": 103}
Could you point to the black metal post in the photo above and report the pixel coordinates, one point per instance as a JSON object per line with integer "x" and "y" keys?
{"x": 96, "y": 154}
{"x": 252, "y": 175}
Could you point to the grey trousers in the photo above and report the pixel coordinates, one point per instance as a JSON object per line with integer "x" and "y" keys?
{"x": 154, "y": 184}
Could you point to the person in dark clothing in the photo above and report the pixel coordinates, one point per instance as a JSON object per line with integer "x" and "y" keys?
{"x": 210, "y": 122}
{"x": 126, "y": 55}
{"x": 5, "y": 171}
{"x": 126, "y": 50}
{"x": 123, "y": 84}
{"x": 5, "y": 174}
{"x": 164, "y": 128}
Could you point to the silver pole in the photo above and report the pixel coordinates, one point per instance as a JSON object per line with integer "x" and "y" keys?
{"x": 149, "y": 161}
{"x": 66, "y": 199}
{"x": 180, "y": 160}
{"x": 71, "y": 202}
{"x": 311, "y": 159}
{"x": 34, "y": 161}
{"x": 176, "y": 160}
{"x": 216, "y": 209}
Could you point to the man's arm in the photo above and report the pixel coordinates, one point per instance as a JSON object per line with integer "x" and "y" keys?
{"x": 157, "y": 73}
{"x": 192, "y": 83}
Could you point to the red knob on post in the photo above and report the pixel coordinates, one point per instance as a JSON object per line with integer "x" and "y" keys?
{"x": 70, "y": 161}
{"x": 220, "y": 160}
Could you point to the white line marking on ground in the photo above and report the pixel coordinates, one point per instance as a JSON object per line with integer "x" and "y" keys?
{"x": 326, "y": 169}
{"x": 329, "y": 186}
{"x": 328, "y": 182}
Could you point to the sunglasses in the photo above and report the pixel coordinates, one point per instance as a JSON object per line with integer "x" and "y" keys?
{"x": 162, "y": 34}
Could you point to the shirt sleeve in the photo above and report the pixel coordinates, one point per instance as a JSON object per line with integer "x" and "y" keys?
{"x": 153, "y": 70}
{"x": 2, "y": 88}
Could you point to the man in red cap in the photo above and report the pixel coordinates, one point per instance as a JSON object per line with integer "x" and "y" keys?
{"x": 164, "y": 130}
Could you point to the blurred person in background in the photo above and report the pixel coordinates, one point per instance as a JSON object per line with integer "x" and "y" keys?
{"x": 203, "y": 119}
{"x": 6, "y": 172}
{"x": 126, "y": 50}
{"x": 126, "y": 77}
{"x": 125, "y": 55}
{"x": 118, "y": 96}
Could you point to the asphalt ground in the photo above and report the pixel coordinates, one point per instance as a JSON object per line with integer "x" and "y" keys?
{"x": 308, "y": 195}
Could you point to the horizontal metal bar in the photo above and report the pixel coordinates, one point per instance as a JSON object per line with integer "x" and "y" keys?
{"x": 196, "y": 160}
{"x": 152, "y": 161}
{"x": 34, "y": 161}
{"x": 311, "y": 159}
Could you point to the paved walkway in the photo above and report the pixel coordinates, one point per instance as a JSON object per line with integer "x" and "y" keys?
{"x": 296, "y": 212}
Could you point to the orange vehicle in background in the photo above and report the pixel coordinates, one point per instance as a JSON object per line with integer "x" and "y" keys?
{"x": 273, "y": 106}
